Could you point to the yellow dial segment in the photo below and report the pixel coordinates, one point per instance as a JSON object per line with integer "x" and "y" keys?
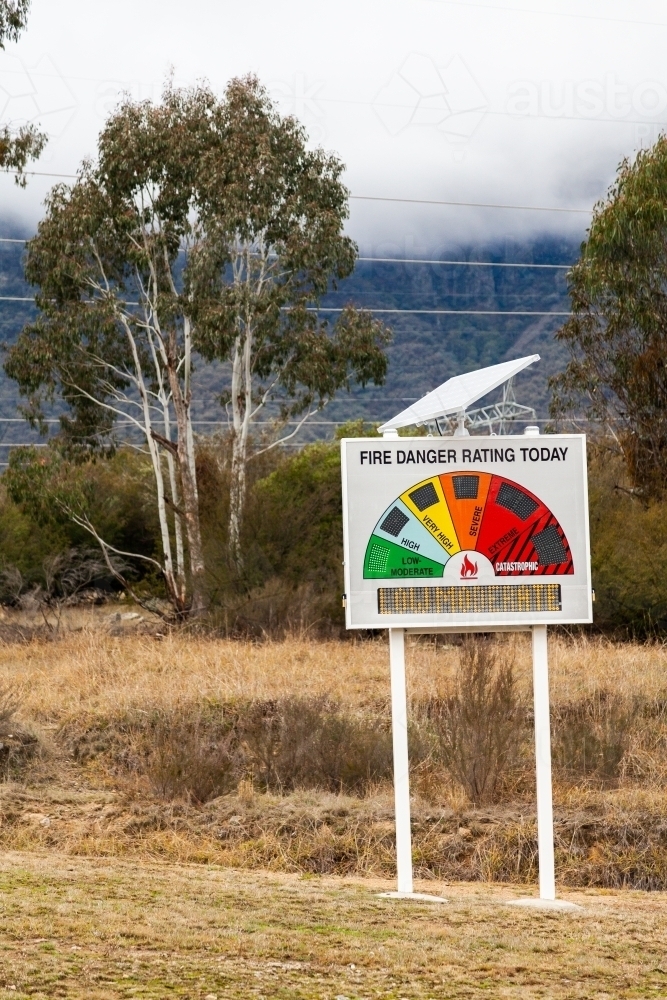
{"x": 427, "y": 502}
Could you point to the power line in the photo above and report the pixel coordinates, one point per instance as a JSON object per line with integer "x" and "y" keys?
{"x": 450, "y": 312}
{"x": 406, "y": 201}
{"x": 42, "y": 173}
{"x": 420, "y": 260}
{"x": 460, "y": 263}
{"x": 370, "y": 399}
{"x": 516, "y": 115}
{"x": 470, "y": 204}
{"x": 332, "y": 423}
{"x": 424, "y": 312}
{"x": 390, "y": 104}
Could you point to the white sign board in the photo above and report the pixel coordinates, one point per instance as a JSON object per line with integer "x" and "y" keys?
{"x": 466, "y": 531}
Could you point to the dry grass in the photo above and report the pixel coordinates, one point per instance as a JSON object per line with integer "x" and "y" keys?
{"x": 99, "y": 930}
{"x": 88, "y": 692}
{"x": 94, "y": 672}
{"x": 603, "y": 842}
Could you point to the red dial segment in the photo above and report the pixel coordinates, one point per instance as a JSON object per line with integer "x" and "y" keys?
{"x": 509, "y": 511}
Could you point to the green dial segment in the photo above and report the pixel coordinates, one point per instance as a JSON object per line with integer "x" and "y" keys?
{"x": 386, "y": 560}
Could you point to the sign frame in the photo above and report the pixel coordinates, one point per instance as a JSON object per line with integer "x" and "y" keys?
{"x": 523, "y": 472}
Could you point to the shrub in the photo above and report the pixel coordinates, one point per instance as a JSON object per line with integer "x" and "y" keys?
{"x": 18, "y": 744}
{"x": 313, "y": 743}
{"x": 188, "y": 756}
{"x": 628, "y": 549}
{"x": 197, "y": 752}
{"x": 294, "y": 529}
{"x": 479, "y": 727}
{"x": 591, "y": 737}
{"x": 187, "y": 752}
{"x": 36, "y": 533}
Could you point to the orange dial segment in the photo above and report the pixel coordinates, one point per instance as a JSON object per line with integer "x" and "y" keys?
{"x": 466, "y": 493}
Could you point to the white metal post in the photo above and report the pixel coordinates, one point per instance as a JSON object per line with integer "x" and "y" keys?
{"x": 399, "y": 728}
{"x": 545, "y": 819}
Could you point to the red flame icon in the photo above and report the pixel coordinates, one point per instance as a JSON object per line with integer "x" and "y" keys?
{"x": 468, "y": 569}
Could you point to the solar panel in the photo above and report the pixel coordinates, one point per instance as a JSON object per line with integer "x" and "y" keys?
{"x": 549, "y": 546}
{"x": 466, "y": 487}
{"x": 458, "y": 393}
{"x": 516, "y": 500}
{"x": 425, "y": 496}
{"x": 394, "y": 522}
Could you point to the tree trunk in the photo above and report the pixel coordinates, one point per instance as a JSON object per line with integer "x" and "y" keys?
{"x": 173, "y": 589}
{"x": 178, "y": 525}
{"x": 189, "y": 493}
{"x": 176, "y": 501}
{"x": 193, "y": 531}
{"x": 241, "y": 413}
{"x": 237, "y": 495}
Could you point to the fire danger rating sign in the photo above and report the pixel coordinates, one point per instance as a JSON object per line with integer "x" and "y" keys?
{"x": 497, "y": 527}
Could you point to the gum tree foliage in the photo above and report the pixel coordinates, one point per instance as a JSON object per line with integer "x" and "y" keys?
{"x": 17, "y": 145}
{"x": 13, "y": 19}
{"x": 617, "y": 335}
{"x": 205, "y": 227}
{"x": 273, "y": 214}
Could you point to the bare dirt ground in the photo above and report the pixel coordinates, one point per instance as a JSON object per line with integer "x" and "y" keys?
{"x": 103, "y": 929}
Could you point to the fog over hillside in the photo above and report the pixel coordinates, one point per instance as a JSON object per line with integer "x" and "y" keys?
{"x": 426, "y": 348}
{"x": 468, "y": 130}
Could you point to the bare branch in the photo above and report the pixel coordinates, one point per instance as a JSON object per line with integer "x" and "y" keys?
{"x": 266, "y": 394}
{"x": 286, "y": 438}
{"x": 84, "y": 522}
{"x": 165, "y": 442}
{"x": 105, "y": 406}
{"x": 106, "y": 548}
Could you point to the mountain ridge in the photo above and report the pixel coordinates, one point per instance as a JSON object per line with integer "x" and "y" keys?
{"x": 425, "y": 349}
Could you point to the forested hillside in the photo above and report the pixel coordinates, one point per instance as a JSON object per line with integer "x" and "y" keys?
{"x": 426, "y": 349}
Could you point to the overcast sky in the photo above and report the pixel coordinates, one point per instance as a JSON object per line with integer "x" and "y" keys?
{"x": 523, "y": 102}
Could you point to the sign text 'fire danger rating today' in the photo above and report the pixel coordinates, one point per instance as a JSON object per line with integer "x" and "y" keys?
{"x": 473, "y": 456}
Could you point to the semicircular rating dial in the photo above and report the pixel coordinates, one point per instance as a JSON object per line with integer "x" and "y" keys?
{"x": 437, "y": 518}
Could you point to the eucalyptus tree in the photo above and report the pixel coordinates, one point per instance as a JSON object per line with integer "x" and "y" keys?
{"x": 113, "y": 337}
{"x": 205, "y": 226}
{"x": 17, "y": 145}
{"x": 617, "y": 335}
{"x": 13, "y": 19}
{"x": 273, "y": 212}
